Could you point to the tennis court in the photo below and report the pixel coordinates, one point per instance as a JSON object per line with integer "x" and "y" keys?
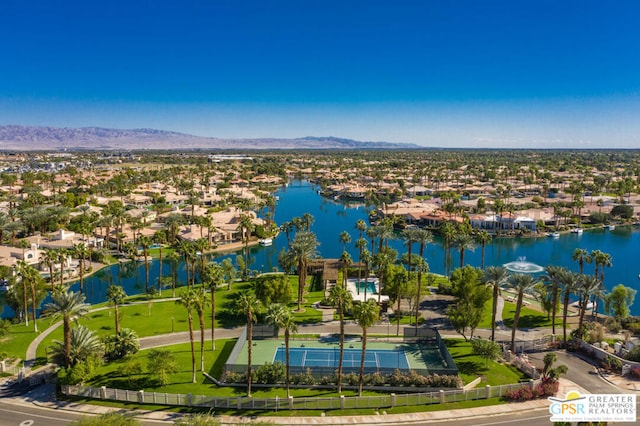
{"x": 324, "y": 357}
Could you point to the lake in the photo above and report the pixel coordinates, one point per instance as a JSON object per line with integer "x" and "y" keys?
{"x": 331, "y": 218}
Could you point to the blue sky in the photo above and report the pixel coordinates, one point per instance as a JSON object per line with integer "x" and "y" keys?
{"x": 435, "y": 73}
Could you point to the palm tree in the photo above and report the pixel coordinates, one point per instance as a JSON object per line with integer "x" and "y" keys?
{"x": 483, "y": 238}
{"x": 521, "y": 283}
{"x": 145, "y": 243}
{"x": 383, "y": 259}
{"x": 587, "y": 285}
{"x": 200, "y": 303}
{"x": 423, "y": 237}
{"x": 22, "y": 268}
{"x": 303, "y": 249}
{"x": 160, "y": 238}
{"x": 463, "y": 241}
{"x": 213, "y": 276}
{"x": 248, "y": 304}
{"x": 553, "y": 279}
{"x": 50, "y": 258}
{"x": 67, "y": 305}
{"x": 341, "y": 298}
{"x": 409, "y": 236}
{"x": 174, "y": 258}
{"x": 495, "y": 277}
{"x": 361, "y": 245}
{"x": 188, "y": 300}
{"x": 83, "y": 343}
{"x": 344, "y": 238}
{"x": 246, "y": 228}
{"x": 366, "y": 315}
{"x": 581, "y": 256}
{"x": 447, "y": 230}
{"x": 345, "y": 259}
{"x": 307, "y": 220}
{"x": 116, "y": 296}
{"x": 569, "y": 285}
{"x": 283, "y": 319}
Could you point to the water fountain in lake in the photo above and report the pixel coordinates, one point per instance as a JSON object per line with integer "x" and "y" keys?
{"x": 523, "y": 267}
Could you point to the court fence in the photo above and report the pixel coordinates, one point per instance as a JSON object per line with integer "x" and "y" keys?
{"x": 299, "y": 403}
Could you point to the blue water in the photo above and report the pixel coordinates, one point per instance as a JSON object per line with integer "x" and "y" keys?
{"x": 331, "y": 218}
{"x": 370, "y": 287}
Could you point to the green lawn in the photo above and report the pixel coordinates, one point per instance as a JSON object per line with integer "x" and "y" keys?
{"x": 473, "y": 366}
{"x": 529, "y": 318}
{"x": 154, "y": 317}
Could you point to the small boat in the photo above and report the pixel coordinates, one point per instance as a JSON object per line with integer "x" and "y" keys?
{"x": 577, "y": 231}
{"x": 265, "y": 242}
{"x": 554, "y": 234}
{"x": 610, "y": 227}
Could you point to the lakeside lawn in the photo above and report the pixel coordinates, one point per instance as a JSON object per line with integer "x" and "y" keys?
{"x": 153, "y": 317}
{"x": 529, "y": 318}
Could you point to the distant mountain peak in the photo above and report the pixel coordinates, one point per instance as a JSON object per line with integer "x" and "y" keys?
{"x": 26, "y": 138}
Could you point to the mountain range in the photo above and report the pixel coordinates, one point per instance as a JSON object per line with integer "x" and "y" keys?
{"x": 30, "y": 138}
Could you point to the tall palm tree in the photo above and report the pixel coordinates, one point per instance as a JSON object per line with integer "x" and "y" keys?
{"x": 587, "y": 285}
{"x": 67, "y": 305}
{"x": 483, "y": 238}
{"x": 553, "y": 280}
{"x": 569, "y": 285}
{"x": 344, "y": 238}
{"x": 21, "y": 269}
{"x": 50, "y": 259}
{"x": 423, "y": 237}
{"x": 346, "y": 261}
{"x": 248, "y": 304}
{"x": 361, "y": 245}
{"x": 383, "y": 259}
{"x": 409, "y": 236}
{"x": 581, "y": 256}
{"x": 303, "y": 249}
{"x": 366, "y": 315}
{"x": 200, "y": 303}
{"x": 283, "y": 319}
{"x": 116, "y": 296}
{"x": 213, "y": 277}
{"x": 145, "y": 243}
{"x": 188, "y": 300}
{"x": 495, "y": 277}
{"x": 341, "y": 298}
{"x": 462, "y": 241}
{"x": 447, "y": 230}
{"x": 229, "y": 271}
{"x": 160, "y": 238}
{"x": 521, "y": 283}
{"x": 246, "y": 228}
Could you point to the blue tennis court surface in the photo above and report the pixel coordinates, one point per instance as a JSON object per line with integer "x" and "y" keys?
{"x": 322, "y": 357}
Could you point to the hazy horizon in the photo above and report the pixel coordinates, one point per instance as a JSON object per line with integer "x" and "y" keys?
{"x": 446, "y": 74}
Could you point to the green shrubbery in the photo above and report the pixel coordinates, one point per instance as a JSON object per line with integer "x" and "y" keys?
{"x": 274, "y": 373}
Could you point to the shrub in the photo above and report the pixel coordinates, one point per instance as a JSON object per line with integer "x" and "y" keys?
{"x": 305, "y": 378}
{"x": 546, "y": 387}
{"x": 595, "y": 334}
{"x": 635, "y": 372}
{"x": 612, "y": 364}
{"x": 634, "y": 354}
{"x": 271, "y": 373}
{"x": 613, "y": 325}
